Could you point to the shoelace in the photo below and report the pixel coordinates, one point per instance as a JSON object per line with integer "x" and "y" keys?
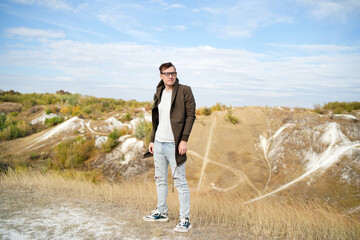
{"x": 154, "y": 211}
{"x": 183, "y": 222}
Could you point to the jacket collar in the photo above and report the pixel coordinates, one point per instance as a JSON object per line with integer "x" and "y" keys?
{"x": 161, "y": 86}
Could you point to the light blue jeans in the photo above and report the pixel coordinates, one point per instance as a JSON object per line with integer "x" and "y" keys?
{"x": 164, "y": 154}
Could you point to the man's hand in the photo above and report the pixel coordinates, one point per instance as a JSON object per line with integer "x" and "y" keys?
{"x": 182, "y": 147}
{"x": 151, "y": 148}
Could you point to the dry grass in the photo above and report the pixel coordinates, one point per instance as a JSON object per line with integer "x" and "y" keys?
{"x": 283, "y": 217}
{"x": 9, "y": 107}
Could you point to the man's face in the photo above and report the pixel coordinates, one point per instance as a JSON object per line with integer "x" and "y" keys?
{"x": 168, "y": 76}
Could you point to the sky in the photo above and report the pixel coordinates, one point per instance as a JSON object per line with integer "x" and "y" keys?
{"x": 292, "y": 53}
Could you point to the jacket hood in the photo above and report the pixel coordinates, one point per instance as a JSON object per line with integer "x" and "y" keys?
{"x": 161, "y": 86}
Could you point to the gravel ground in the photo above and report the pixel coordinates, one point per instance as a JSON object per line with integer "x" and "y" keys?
{"x": 30, "y": 214}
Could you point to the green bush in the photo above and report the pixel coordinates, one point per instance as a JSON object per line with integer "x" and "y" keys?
{"x": 339, "y": 110}
{"x": 51, "y": 109}
{"x": 48, "y": 111}
{"x": 348, "y": 108}
{"x": 355, "y": 105}
{"x": 143, "y": 130}
{"x": 337, "y": 107}
{"x": 208, "y": 111}
{"x": 126, "y": 117}
{"x": 340, "y": 107}
{"x": 87, "y": 110}
{"x": 34, "y": 156}
{"x": 231, "y": 118}
{"x": 72, "y": 153}
{"x": 115, "y": 134}
{"x": 2, "y": 121}
{"x": 105, "y": 104}
{"x": 109, "y": 144}
{"x": 49, "y": 122}
{"x": 218, "y": 107}
{"x": 317, "y": 109}
{"x": 15, "y": 129}
{"x": 204, "y": 111}
{"x": 112, "y": 140}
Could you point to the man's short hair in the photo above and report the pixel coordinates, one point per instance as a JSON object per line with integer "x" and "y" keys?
{"x": 166, "y": 66}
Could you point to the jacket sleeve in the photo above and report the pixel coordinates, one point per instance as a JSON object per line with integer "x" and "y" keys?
{"x": 153, "y": 121}
{"x": 152, "y": 136}
{"x": 190, "y": 108}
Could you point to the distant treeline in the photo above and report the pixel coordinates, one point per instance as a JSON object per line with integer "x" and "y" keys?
{"x": 70, "y": 104}
{"x": 77, "y": 104}
{"x": 337, "y": 107}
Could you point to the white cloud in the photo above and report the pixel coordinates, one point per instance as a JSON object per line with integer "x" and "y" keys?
{"x": 31, "y": 33}
{"x": 233, "y": 31}
{"x": 164, "y": 5}
{"x": 211, "y": 10}
{"x": 242, "y": 18}
{"x": 117, "y": 18}
{"x": 114, "y": 18}
{"x": 64, "y": 79}
{"x": 322, "y": 9}
{"x": 179, "y": 27}
{"x": 318, "y": 48}
{"x": 72, "y": 28}
{"x": 51, "y": 4}
{"x": 325, "y": 9}
{"x": 175, "y": 5}
{"x": 131, "y": 70}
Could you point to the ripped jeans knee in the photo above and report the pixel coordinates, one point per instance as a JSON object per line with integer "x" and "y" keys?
{"x": 160, "y": 180}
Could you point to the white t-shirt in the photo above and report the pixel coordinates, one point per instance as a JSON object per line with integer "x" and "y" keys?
{"x": 164, "y": 131}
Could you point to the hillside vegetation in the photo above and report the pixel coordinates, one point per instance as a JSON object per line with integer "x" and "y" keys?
{"x": 337, "y": 107}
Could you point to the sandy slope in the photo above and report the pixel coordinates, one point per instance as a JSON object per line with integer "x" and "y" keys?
{"x": 277, "y": 149}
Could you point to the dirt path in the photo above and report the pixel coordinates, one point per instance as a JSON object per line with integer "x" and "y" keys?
{"x": 241, "y": 175}
{"x": 207, "y": 153}
{"x": 30, "y": 214}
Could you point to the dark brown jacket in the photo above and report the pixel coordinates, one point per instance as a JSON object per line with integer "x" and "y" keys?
{"x": 182, "y": 115}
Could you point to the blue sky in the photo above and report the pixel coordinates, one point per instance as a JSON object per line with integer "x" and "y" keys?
{"x": 292, "y": 53}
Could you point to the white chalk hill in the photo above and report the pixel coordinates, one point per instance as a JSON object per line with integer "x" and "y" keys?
{"x": 278, "y": 150}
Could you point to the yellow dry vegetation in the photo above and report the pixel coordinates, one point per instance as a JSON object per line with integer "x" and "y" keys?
{"x": 287, "y": 217}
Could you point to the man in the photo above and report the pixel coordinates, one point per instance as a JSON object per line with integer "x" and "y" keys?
{"x": 173, "y": 116}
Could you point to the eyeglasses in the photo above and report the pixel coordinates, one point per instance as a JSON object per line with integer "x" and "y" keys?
{"x": 170, "y": 73}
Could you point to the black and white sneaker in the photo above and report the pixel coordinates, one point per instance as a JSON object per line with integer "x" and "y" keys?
{"x": 156, "y": 216}
{"x": 183, "y": 226}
